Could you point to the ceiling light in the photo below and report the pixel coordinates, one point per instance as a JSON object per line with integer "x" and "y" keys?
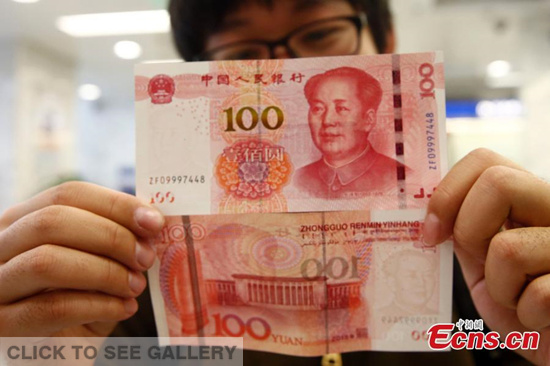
{"x": 511, "y": 108}
{"x": 127, "y": 50}
{"x": 109, "y": 24}
{"x": 499, "y": 69}
{"x": 89, "y": 92}
{"x": 26, "y": 1}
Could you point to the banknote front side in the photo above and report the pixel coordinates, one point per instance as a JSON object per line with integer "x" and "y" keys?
{"x": 302, "y": 284}
{"x": 300, "y": 135}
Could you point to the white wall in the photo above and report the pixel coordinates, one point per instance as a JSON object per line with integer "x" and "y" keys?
{"x": 44, "y": 116}
{"x": 105, "y": 141}
{"x": 536, "y": 97}
{"x": 7, "y": 149}
{"x": 506, "y": 136}
{"x": 47, "y": 134}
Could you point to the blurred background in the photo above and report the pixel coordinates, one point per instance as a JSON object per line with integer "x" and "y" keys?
{"x": 66, "y": 89}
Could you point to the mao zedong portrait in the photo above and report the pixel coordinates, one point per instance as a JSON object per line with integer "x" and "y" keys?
{"x": 343, "y": 105}
{"x": 411, "y": 277}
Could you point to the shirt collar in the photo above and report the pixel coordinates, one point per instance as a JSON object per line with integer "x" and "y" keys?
{"x": 349, "y": 172}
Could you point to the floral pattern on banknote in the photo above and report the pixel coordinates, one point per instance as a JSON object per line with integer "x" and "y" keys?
{"x": 253, "y": 169}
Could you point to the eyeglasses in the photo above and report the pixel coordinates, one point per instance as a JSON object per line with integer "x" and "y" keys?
{"x": 338, "y": 36}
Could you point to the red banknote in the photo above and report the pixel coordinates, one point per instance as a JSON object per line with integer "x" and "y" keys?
{"x": 298, "y": 135}
{"x": 302, "y": 284}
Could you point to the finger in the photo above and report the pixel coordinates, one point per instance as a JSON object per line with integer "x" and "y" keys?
{"x": 473, "y": 269}
{"x": 500, "y": 193}
{"x": 54, "y": 267}
{"x": 119, "y": 207}
{"x": 48, "y": 313}
{"x": 77, "y": 229}
{"x": 534, "y": 304}
{"x": 515, "y": 257}
{"x": 446, "y": 201}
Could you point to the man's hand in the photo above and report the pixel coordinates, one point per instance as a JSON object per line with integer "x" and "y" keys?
{"x": 507, "y": 271}
{"x": 71, "y": 260}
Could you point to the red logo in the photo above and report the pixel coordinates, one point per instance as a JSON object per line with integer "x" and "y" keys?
{"x": 161, "y": 89}
{"x": 162, "y": 198}
{"x": 470, "y": 335}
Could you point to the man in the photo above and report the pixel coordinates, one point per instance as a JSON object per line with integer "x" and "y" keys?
{"x": 89, "y": 244}
{"x": 342, "y": 112}
{"x": 411, "y": 278}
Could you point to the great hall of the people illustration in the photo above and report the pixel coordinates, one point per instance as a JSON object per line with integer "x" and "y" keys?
{"x": 292, "y": 293}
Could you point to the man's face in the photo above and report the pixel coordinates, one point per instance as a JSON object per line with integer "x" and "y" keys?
{"x": 254, "y": 21}
{"x": 414, "y": 281}
{"x": 338, "y": 122}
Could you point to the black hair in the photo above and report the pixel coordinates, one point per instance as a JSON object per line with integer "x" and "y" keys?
{"x": 193, "y": 21}
{"x": 368, "y": 88}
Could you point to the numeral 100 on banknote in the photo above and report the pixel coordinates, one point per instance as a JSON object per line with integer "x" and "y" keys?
{"x": 239, "y": 120}
{"x": 427, "y": 85}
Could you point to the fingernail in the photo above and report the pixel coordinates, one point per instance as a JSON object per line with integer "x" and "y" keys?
{"x": 149, "y": 219}
{"x": 432, "y": 229}
{"x": 137, "y": 282}
{"x": 130, "y": 305}
{"x": 145, "y": 255}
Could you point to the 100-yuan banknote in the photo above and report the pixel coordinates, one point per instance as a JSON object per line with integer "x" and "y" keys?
{"x": 302, "y": 284}
{"x": 323, "y": 134}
